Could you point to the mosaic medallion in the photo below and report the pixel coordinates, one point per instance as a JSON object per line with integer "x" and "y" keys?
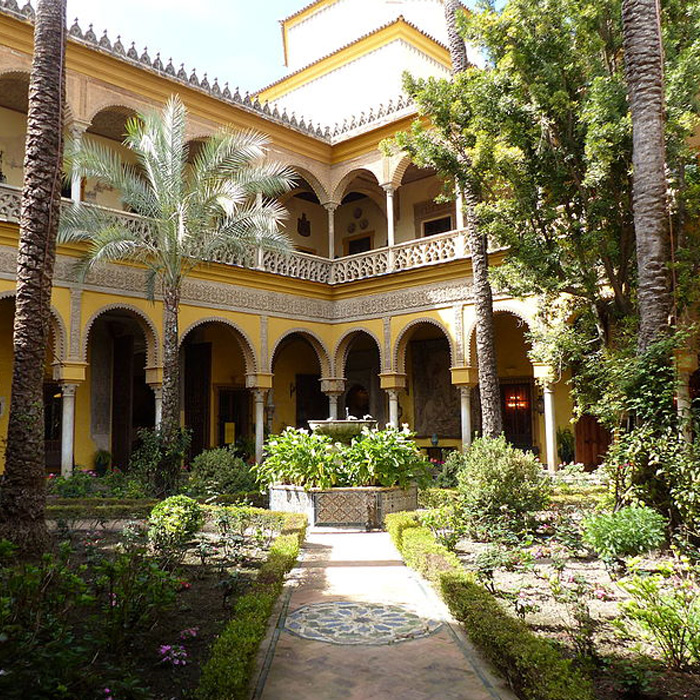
{"x": 358, "y": 623}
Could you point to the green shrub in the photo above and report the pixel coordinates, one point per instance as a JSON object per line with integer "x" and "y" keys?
{"x": 565, "y": 445}
{"x": 301, "y": 458}
{"x": 661, "y": 470}
{"x": 219, "y": 471}
{"x": 499, "y": 481}
{"x": 533, "y": 667}
{"x": 374, "y": 458}
{"x": 81, "y": 484}
{"x": 437, "y": 497}
{"x": 384, "y": 458}
{"x": 173, "y": 523}
{"x": 444, "y": 523}
{"x": 157, "y": 462}
{"x": 666, "y": 606}
{"x": 396, "y": 523}
{"x": 102, "y": 461}
{"x": 446, "y": 477}
{"x": 422, "y": 553}
{"x": 630, "y": 531}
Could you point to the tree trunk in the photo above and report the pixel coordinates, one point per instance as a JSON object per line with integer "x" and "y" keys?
{"x": 167, "y": 477}
{"x": 489, "y": 387}
{"x": 23, "y": 495}
{"x": 645, "y": 85}
{"x": 458, "y": 51}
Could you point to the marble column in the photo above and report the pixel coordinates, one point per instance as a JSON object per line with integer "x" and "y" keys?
{"x": 67, "y": 428}
{"x": 459, "y": 211}
{"x": 389, "y": 189}
{"x": 393, "y": 407}
{"x": 465, "y": 395}
{"x": 259, "y": 396}
{"x": 158, "y": 394}
{"x": 550, "y": 426}
{"x": 77, "y": 131}
{"x": 330, "y": 207}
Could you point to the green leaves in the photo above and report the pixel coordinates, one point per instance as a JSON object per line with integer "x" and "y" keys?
{"x": 375, "y": 458}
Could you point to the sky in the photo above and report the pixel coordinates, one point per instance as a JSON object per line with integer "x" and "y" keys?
{"x": 238, "y": 41}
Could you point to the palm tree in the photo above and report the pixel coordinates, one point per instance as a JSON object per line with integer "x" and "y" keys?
{"x": 23, "y": 494}
{"x": 216, "y": 206}
{"x": 489, "y": 388}
{"x": 643, "y": 49}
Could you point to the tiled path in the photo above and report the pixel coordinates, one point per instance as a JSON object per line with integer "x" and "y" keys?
{"x": 356, "y": 624}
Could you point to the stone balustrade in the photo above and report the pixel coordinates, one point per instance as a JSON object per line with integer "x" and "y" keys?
{"x": 433, "y": 250}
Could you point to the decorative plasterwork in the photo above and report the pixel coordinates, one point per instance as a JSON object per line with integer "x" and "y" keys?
{"x": 342, "y": 348}
{"x": 324, "y": 358}
{"x": 399, "y": 353}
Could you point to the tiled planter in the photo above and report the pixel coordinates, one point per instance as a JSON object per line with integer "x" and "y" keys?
{"x": 363, "y": 506}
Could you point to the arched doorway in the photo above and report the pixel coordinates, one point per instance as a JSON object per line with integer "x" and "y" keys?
{"x": 361, "y": 365}
{"x": 297, "y": 396}
{"x": 434, "y": 405}
{"x": 121, "y": 402}
{"x": 217, "y": 405}
{"x": 53, "y": 403}
{"x": 520, "y": 397}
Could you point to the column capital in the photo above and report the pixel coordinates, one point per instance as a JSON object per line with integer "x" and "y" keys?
{"x": 332, "y": 385}
{"x": 543, "y": 372}
{"x": 330, "y": 206}
{"x": 68, "y": 389}
{"x": 259, "y": 380}
{"x": 465, "y": 376}
{"x": 78, "y": 127}
{"x": 389, "y": 188}
{"x": 69, "y": 372}
{"x": 259, "y": 394}
{"x": 392, "y": 380}
{"x": 154, "y": 375}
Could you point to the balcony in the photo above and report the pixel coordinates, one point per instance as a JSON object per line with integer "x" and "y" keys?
{"x": 410, "y": 255}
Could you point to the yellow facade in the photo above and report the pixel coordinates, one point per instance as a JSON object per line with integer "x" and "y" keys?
{"x": 309, "y": 331}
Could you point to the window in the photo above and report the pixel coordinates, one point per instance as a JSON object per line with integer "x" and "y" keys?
{"x": 359, "y": 244}
{"x": 434, "y": 226}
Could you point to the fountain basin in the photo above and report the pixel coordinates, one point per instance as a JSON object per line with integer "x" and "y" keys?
{"x": 341, "y": 430}
{"x": 361, "y": 506}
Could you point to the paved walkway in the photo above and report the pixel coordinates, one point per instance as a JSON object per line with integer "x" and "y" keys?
{"x": 356, "y": 624}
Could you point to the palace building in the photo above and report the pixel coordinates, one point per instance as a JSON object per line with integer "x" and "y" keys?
{"x": 372, "y": 313}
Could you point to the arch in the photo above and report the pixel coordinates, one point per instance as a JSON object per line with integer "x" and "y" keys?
{"x": 342, "y": 348}
{"x": 340, "y": 189}
{"x": 399, "y": 354}
{"x": 106, "y": 105}
{"x": 399, "y": 170}
{"x": 506, "y": 308}
{"x": 149, "y": 330}
{"x": 60, "y": 333}
{"x": 319, "y": 190}
{"x": 316, "y": 343}
{"x": 247, "y": 348}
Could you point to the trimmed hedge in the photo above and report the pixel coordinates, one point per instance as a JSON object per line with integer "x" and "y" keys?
{"x": 227, "y": 673}
{"x": 437, "y": 498}
{"x": 531, "y": 665}
{"x": 133, "y": 508}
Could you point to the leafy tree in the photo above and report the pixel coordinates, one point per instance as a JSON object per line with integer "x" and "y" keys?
{"x": 23, "y": 495}
{"x": 449, "y": 149}
{"x": 547, "y": 129}
{"x": 195, "y": 210}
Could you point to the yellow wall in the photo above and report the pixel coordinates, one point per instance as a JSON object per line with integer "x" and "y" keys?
{"x": 296, "y": 358}
{"x": 317, "y": 215}
{"x": 97, "y": 193}
{"x": 409, "y": 195}
{"x": 13, "y": 126}
{"x": 345, "y": 218}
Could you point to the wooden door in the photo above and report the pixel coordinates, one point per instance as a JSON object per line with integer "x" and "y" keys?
{"x": 516, "y": 403}
{"x": 122, "y": 399}
{"x": 198, "y": 394}
{"x": 592, "y": 441}
{"x": 233, "y": 409}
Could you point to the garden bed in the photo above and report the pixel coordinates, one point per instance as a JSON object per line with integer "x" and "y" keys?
{"x": 137, "y": 623}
